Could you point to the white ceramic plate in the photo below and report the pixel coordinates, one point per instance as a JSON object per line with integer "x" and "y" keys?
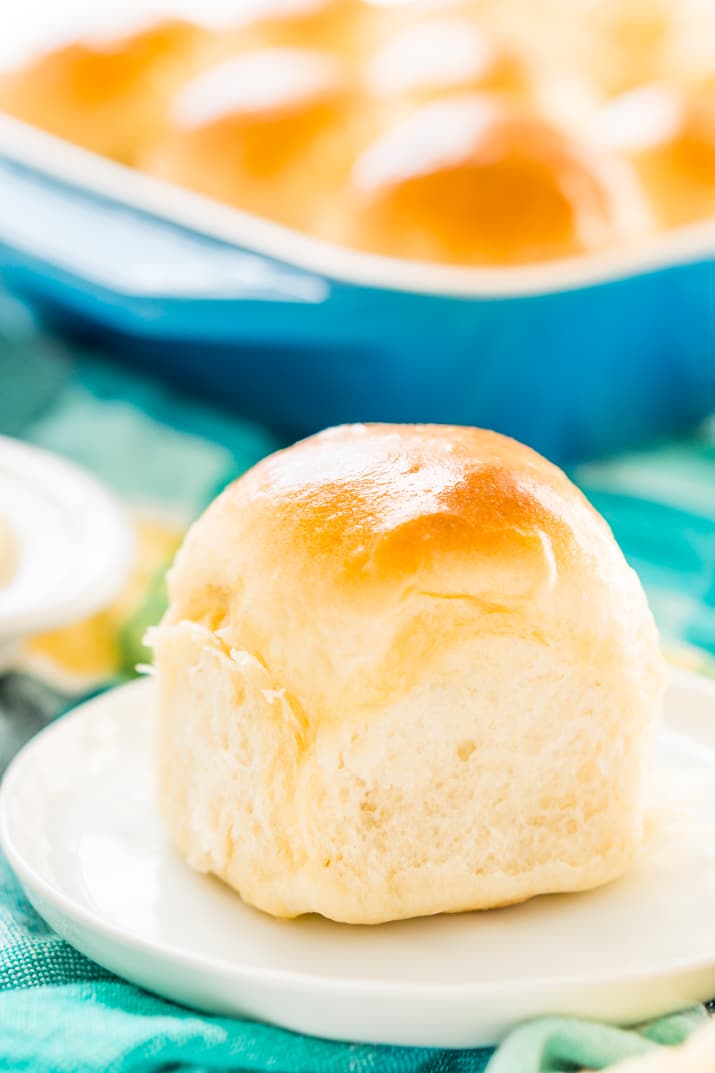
{"x": 72, "y": 544}
{"x": 78, "y": 823}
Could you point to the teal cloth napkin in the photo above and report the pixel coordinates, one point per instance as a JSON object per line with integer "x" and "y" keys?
{"x": 61, "y": 1013}
{"x": 560, "y": 1044}
{"x": 113, "y": 1027}
{"x": 168, "y": 456}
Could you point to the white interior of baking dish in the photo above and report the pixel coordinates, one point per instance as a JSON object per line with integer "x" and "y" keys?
{"x": 71, "y": 165}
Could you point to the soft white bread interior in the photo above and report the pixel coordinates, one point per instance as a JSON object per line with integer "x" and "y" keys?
{"x": 405, "y": 670}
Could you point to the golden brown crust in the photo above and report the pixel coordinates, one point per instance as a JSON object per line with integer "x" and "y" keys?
{"x": 477, "y": 179}
{"x": 393, "y": 492}
{"x": 341, "y": 26}
{"x": 367, "y": 509}
{"x": 669, "y": 136}
{"x": 106, "y": 95}
{"x": 257, "y": 130}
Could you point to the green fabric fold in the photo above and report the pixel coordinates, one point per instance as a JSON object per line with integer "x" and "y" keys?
{"x": 561, "y": 1045}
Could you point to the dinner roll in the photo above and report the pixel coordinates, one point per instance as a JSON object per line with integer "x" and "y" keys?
{"x": 616, "y": 43}
{"x": 669, "y": 136}
{"x": 502, "y": 46}
{"x": 627, "y": 42}
{"x": 405, "y": 670}
{"x": 435, "y": 56}
{"x": 106, "y": 94}
{"x": 689, "y": 59}
{"x": 473, "y": 179}
{"x": 265, "y": 132}
{"x": 334, "y": 25}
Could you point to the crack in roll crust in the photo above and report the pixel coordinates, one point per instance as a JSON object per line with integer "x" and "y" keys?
{"x": 404, "y": 670}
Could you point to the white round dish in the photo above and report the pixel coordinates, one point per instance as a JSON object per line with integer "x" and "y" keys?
{"x": 71, "y": 542}
{"x": 79, "y": 826}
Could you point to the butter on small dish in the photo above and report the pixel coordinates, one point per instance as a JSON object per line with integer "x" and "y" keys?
{"x": 8, "y": 552}
{"x": 66, "y": 546}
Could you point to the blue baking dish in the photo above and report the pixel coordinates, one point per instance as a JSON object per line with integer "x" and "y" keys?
{"x": 578, "y": 358}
